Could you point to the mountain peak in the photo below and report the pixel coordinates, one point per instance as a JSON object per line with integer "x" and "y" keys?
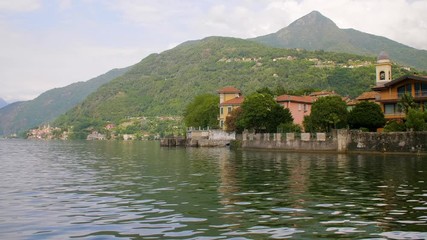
{"x": 314, "y": 18}
{"x": 317, "y": 32}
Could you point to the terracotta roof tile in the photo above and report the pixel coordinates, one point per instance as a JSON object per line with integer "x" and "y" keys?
{"x": 292, "y": 98}
{"x": 229, "y": 90}
{"x": 367, "y": 95}
{"x": 234, "y": 101}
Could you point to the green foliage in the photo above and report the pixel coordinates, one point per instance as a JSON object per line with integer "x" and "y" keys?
{"x": 416, "y": 120}
{"x": 233, "y": 122}
{"x": 49, "y": 105}
{"x": 323, "y": 34}
{"x": 202, "y": 111}
{"x": 265, "y": 90}
{"x": 406, "y": 102}
{"x": 278, "y": 116}
{"x": 327, "y": 113}
{"x": 366, "y": 115}
{"x": 263, "y": 114}
{"x": 289, "y": 127}
{"x": 164, "y": 84}
{"x": 394, "y": 126}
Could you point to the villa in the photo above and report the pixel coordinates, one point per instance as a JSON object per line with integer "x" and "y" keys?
{"x": 390, "y": 91}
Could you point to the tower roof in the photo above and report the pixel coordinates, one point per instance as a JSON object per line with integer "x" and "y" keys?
{"x": 383, "y": 56}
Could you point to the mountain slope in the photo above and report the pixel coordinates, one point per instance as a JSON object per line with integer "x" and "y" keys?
{"x": 20, "y": 116}
{"x": 2, "y": 103}
{"x": 163, "y": 84}
{"x": 316, "y": 32}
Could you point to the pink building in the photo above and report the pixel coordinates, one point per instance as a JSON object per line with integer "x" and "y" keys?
{"x": 299, "y": 106}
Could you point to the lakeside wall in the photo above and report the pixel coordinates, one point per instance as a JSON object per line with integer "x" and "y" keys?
{"x": 201, "y": 138}
{"x": 340, "y": 141}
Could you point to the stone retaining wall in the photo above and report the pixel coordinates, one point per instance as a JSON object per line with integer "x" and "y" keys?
{"x": 415, "y": 142}
{"x": 340, "y": 141}
{"x": 290, "y": 141}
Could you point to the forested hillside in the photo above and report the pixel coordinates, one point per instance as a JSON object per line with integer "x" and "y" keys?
{"x": 317, "y": 32}
{"x": 163, "y": 84}
{"x": 20, "y": 116}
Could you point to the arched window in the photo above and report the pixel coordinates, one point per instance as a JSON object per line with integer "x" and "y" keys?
{"x": 382, "y": 75}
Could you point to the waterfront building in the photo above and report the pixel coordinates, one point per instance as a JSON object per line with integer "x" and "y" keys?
{"x": 299, "y": 106}
{"x": 230, "y": 98}
{"x": 390, "y": 91}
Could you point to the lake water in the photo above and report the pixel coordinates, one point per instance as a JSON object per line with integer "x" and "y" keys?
{"x": 137, "y": 190}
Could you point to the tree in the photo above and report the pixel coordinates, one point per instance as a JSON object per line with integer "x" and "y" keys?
{"x": 327, "y": 113}
{"x": 202, "y": 111}
{"x": 416, "y": 120}
{"x": 262, "y": 113}
{"x": 278, "y": 115}
{"x": 366, "y": 115}
{"x": 407, "y": 102}
{"x": 233, "y": 121}
{"x": 394, "y": 126}
{"x": 265, "y": 90}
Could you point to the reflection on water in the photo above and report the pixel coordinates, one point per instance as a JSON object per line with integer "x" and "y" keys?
{"x": 137, "y": 190}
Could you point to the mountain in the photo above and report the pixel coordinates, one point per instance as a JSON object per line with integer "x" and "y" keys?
{"x": 163, "y": 84}
{"x": 20, "y": 116}
{"x": 2, "y": 103}
{"x": 317, "y": 32}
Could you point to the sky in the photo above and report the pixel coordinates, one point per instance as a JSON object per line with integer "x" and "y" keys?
{"x": 46, "y": 44}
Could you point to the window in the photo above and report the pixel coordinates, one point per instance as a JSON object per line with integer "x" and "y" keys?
{"x": 299, "y": 107}
{"x": 382, "y": 75}
{"x": 417, "y": 87}
{"x": 423, "y": 89}
{"x": 229, "y": 110}
{"x": 404, "y": 89}
{"x": 305, "y": 107}
{"x": 389, "y": 109}
{"x": 221, "y": 110}
{"x": 221, "y": 123}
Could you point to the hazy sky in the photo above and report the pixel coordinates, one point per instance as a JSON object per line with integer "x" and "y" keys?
{"x": 46, "y": 44}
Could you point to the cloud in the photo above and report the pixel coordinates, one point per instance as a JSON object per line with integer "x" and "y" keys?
{"x": 30, "y": 65}
{"x": 19, "y": 5}
{"x": 66, "y": 41}
{"x": 398, "y": 20}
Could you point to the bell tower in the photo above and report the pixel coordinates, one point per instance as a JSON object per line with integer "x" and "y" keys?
{"x": 383, "y": 69}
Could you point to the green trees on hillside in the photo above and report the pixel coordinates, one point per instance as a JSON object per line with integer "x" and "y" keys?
{"x": 202, "y": 111}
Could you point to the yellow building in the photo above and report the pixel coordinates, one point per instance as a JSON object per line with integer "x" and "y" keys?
{"x": 229, "y": 99}
{"x": 390, "y": 91}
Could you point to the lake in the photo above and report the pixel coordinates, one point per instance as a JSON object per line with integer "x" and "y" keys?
{"x": 138, "y": 190}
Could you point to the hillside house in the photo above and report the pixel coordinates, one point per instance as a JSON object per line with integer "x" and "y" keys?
{"x": 230, "y": 98}
{"x": 390, "y": 91}
{"x": 299, "y": 106}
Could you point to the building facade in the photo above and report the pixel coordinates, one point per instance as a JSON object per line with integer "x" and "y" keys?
{"x": 230, "y": 98}
{"x": 299, "y": 106}
{"x": 389, "y": 92}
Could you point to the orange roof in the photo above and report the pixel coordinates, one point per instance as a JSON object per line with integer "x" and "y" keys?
{"x": 235, "y": 101}
{"x": 351, "y": 102}
{"x": 367, "y": 95}
{"x": 229, "y": 90}
{"x": 292, "y": 98}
